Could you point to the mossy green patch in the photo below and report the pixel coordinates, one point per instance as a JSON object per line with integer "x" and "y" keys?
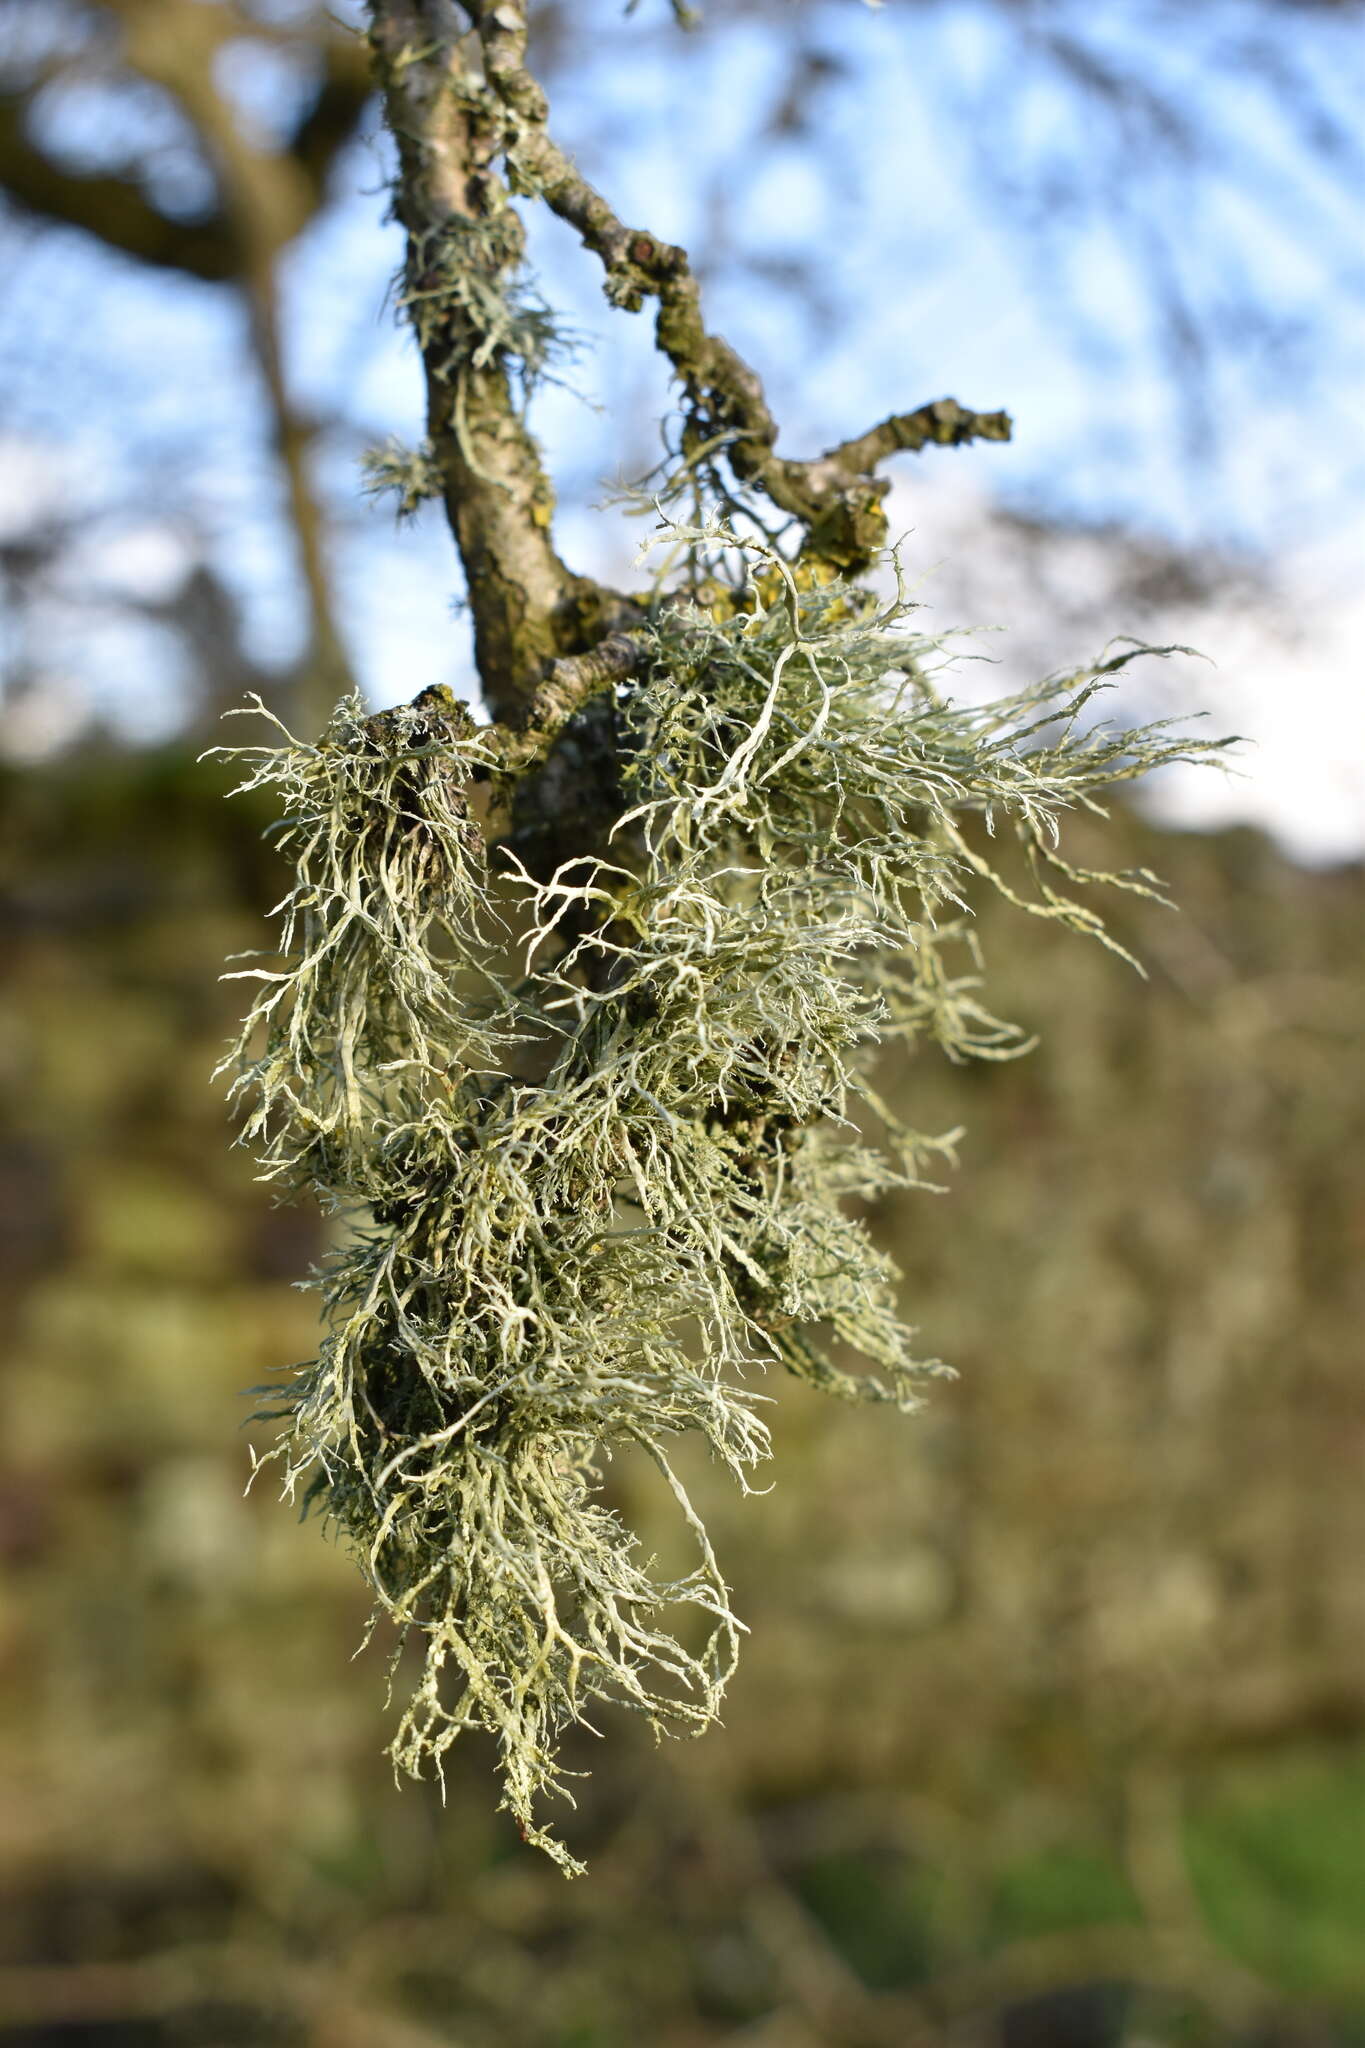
{"x": 1277, "y": 1855}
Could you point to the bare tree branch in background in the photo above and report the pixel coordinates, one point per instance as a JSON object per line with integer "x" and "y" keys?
{"x": 264, "y": 198}
{"x": 174, "y": 45}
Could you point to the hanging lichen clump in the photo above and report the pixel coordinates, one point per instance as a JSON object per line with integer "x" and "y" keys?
{"x": 574, "y": 1011}
{"x": 604, "y": 1186}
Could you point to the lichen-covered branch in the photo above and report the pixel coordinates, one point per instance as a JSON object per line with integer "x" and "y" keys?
{"x": 453, "y": 124}
{"x": 567, "y": 687}
{"x": 465, "y": 248}
{"x": 836, "y": 496}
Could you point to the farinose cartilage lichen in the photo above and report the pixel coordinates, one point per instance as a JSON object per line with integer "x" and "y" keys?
{"x": 598, "y": 1123}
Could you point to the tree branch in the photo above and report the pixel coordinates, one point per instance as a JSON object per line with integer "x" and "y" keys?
{"x": 568, "y": 686}
{"x": 452, "y": 124}
{"x": 835, "y": 496}
{"x": 265, "y": 198}
{"x": 112, "y": 209}
{"x": 115, "y": 209}
{"x": 465, "y": 245}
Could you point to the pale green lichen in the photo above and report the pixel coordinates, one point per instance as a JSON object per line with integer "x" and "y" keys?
{"x": 470, "y": 302}
{"x": 411, "y": 475}
{"x": 600, "y": 1125}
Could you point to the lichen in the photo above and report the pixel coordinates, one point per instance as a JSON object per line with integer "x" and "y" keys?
{"x": 470, "y": 302}
{"x": 411, "y": 475}
{"x": 597, "y": 1132}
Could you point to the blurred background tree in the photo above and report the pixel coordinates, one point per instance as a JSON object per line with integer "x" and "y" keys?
{"x": 1056, "y": 1734}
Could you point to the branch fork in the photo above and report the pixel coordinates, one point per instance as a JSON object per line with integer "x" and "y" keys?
{"x": 534, "y": 617}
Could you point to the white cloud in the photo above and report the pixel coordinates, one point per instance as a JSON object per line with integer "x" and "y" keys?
{"x": 1282, "y": 667}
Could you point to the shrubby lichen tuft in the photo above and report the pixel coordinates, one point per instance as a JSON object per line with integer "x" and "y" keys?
{"x": 411, "y": 475}
{"x": 470, "y": 302}
{"x": 596, "y": 1132}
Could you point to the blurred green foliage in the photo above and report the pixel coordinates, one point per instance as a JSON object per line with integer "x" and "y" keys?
{"x": 1051, "y": 1726}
